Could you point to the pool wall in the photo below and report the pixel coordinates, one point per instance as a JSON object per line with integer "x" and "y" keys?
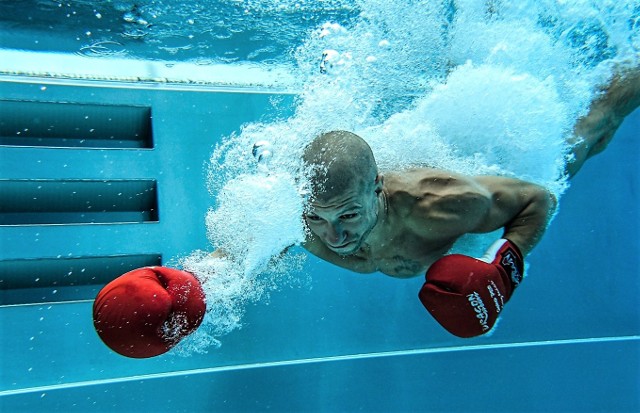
{"x": 568, "y": 340}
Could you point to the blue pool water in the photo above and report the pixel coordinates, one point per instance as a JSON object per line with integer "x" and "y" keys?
{"x": 79, "y": 207}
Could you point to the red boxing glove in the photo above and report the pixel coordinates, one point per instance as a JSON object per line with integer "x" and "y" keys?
{"x": 465, "y": 295}
{"x": 147, "y": 311}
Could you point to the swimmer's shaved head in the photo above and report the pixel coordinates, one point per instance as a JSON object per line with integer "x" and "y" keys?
{"x": 339, "y": 160}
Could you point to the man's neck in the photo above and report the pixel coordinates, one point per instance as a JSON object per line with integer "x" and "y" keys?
{"x": 377, "y": 233}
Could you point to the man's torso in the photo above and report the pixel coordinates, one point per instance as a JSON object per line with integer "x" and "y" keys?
{"x": 427, "y": 213}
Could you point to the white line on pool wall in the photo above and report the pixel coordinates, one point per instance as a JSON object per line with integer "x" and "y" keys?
{"x": 283, "y": 363}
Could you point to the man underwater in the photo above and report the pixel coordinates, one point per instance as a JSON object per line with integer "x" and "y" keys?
{"x": 401, "y": 224}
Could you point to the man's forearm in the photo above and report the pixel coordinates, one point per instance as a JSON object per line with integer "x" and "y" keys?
{"x": 528, "y": 227}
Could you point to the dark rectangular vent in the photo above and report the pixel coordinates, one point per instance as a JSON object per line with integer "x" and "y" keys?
{"x": 74, "y": 125}
{"x": 26, "y": 281}
{"x": 41, "y": 202}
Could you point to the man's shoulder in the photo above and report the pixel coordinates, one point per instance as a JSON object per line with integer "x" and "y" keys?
{"x": 436, "y": 202}
{"x": 419, "y": 184}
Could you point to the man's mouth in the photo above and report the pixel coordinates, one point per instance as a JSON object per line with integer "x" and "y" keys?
{"x": 342, "y": 246}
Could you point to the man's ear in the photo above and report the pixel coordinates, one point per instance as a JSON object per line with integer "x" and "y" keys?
{"x": 379, "y": 183}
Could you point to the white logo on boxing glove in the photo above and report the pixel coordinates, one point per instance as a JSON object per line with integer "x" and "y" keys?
{"x": 481, "y": 311}
{"x": 509, "y": 263}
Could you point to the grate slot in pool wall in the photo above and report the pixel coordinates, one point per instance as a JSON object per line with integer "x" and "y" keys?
{"x": 43, "y": 202}
{"x": 28, "y": 281}
{"x": 74, "y": 125}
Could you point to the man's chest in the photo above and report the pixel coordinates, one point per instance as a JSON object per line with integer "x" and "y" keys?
{"x": 402, "y": 257}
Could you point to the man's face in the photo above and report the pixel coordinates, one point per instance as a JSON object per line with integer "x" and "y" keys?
{"x": 342, "y": 221}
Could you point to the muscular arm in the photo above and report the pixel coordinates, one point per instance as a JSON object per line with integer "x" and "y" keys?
{"x": 593, "y": 132}
{"x": 454, "y": 205}
{"x": 522, "y": 208}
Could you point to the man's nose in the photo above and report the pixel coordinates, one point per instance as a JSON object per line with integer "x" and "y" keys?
{"x": 335, "y": 234}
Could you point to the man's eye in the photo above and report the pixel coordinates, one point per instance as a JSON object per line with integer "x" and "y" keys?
{"x": 349, "y": 216}
{"x": 313, "y": 218}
